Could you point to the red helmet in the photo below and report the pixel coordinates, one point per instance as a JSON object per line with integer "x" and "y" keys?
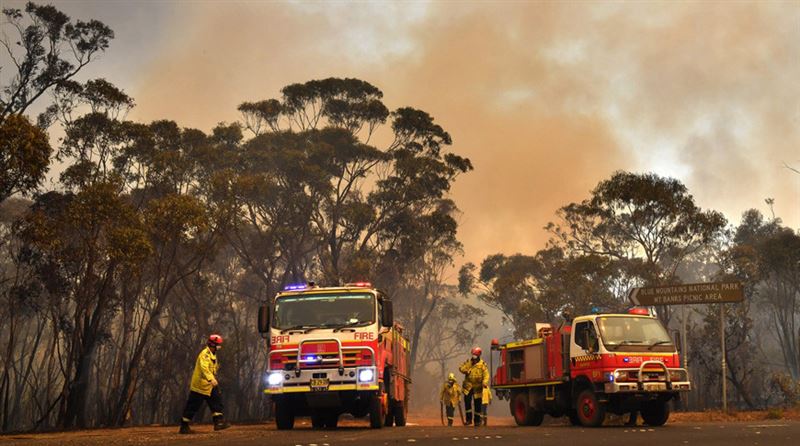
{"x": 476, "y": 351}
{"x": 215, "y": 339}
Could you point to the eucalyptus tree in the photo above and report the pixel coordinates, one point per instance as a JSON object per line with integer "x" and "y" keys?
{"x": 642, "y": 217}
{"x": 45, "y": 48}
{"x": 359, "y": 189}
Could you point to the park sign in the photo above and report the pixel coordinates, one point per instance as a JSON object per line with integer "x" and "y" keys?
{"x": 687, "y": 294}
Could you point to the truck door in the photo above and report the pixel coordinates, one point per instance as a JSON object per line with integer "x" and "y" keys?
{"x": 584, "y": 340}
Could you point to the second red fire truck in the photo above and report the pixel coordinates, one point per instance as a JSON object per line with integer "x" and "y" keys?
{"x": 335, "y": 350}
{"x": 618, "y": 363}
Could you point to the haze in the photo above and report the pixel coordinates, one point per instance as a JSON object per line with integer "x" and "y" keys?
{"x": 546, "y": 99}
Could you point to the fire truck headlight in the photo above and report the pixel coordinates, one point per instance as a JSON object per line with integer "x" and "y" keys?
{"x": 677, "y": 375}
{"x": 366, "y": 375}
{"x": 275, "y": 379}
{"x": 620, "y": 375}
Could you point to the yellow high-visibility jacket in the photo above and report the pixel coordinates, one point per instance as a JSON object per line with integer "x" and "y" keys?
{"x": 476, "y": 377}
{"x": 486, "y": 399}
{"x": 205, "y": 368}
{"x": 450, "y": 394}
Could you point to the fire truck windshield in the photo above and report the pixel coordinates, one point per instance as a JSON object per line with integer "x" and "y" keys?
{"x": 635, "y": 333}
{"x": 324, "y": 310}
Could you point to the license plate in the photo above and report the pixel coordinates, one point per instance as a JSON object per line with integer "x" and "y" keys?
{"x": 320, "y": 384}
{"x": 655, "y": 386}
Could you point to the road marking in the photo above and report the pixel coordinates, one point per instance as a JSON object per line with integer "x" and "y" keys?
{"x": 411, "y": 440}
{"x": 767, "y": 425}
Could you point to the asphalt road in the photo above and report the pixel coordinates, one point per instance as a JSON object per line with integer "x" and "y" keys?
{"x": 355, "y": 434}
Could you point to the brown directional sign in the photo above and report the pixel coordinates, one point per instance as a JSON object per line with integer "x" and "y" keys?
{"x": 687, "y": 294}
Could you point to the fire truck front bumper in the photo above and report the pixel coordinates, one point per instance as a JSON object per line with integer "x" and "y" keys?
{"x": 620, "y": 381}
{"x": 321, "y": 380}
{"x": 634, "y": 387}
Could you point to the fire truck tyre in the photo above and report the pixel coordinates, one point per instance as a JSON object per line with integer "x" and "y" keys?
{"x": 573, "y": 418}
{"x": 524, "y": 415}
{"x": 376, "y": 415}
{"x": 331, "y": 420}
{"x": 591, "y": 413}
{"x": 400, "y": 412}
{"x": 655, "y": 413}
{"x": 317, "y": 420}
{"x": 389, "y": 419}
{"x": 284, "y": 416}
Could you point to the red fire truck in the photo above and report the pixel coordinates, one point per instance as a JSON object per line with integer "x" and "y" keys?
{"x": 335, "y": 350}
{"x": 616, "y": 363}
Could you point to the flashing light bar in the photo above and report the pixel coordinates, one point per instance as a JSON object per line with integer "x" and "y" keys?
{"x": 360, "y": 285}
{"x": 295, "y": 287}
{"x": 639, "y": 310}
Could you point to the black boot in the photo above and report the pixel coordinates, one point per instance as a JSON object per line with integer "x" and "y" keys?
{"x": 185, "y": 428}
{"x": 220, "y": 423}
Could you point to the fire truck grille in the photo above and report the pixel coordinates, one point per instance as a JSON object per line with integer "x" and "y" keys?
{"x": 288, "y": 361}
{"x": 648, "y": 375}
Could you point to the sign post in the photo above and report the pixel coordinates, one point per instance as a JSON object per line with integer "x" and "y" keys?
{"x": 689, "y": 294}
{"x": 724, "y": 363}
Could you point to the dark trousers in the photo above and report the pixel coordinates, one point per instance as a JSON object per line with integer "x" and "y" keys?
{"x": 196, "y": 400}
{"x": 451, "y": 411}
{"x": 468, "y": 409}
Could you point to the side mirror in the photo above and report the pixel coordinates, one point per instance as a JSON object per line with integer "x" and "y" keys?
{"x": 676, "y": 338}
{"x": 387, "y": 314}
{"x": 263, "y": 319}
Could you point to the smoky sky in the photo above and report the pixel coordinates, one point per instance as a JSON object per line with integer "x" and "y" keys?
{"x": 545, "y": 98}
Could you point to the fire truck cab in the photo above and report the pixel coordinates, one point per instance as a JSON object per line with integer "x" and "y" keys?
{"x": 618, "y": 363}
{"x": 335, "y": 350}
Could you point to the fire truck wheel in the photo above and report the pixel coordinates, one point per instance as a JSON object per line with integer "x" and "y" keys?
{"x": 317, "y": 420}
{"x": 331, "y": 420}
{"x": 591, "y": 413}
{"x": 655, "y": 413}
{"x": 389, "y": 419}
{"x": 573, "y": 418}
{"x": 376, "y": 415}
{"x": 400, "y": 413}
{"x": 284, "y": 416}
{"x": 525, "y": 415}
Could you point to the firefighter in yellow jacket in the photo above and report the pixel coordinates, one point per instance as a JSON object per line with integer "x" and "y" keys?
{"x": 450, "y": 396}
{"x": 476, "y": 378}
{"x": 205, "y": 387}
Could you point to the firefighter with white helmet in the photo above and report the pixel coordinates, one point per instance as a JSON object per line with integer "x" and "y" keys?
{"x": 450, "y": 397}
{"x": 476, "y": 378}
{"x": 205, "y": 387}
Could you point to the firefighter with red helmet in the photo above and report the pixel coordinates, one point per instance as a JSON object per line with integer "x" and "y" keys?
{"x": 476, "y": 378}
{"x": 205, "y": 387}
